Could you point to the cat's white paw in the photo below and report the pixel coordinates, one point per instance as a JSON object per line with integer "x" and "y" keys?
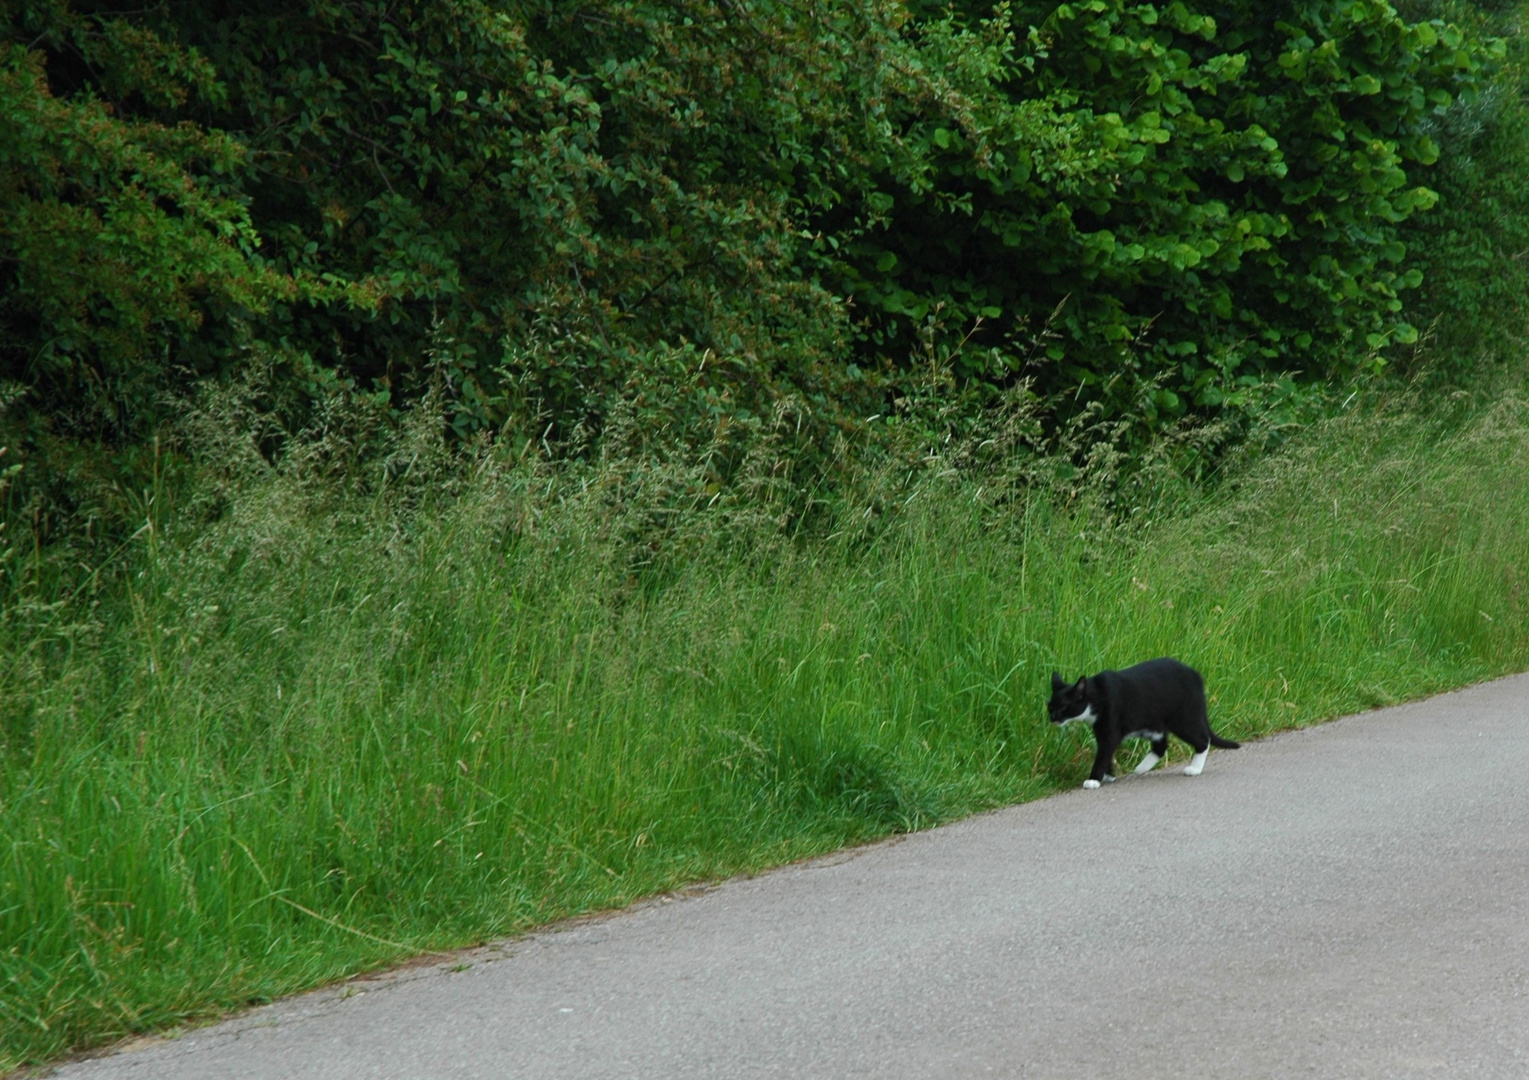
{"x": 1190, "y": 770}
{"x": 1196, "y": 763}
{"x": 1147, "y": 763}
{"x": 1090, "y": 784}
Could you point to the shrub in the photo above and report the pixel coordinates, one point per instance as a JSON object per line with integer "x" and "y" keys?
{"x": 705, "y": 214}
{"x": 1470, "y": 250}
{"x": 1196, "y": 194}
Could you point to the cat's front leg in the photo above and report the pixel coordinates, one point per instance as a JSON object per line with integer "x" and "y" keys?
{"x": 1104, "y": 765}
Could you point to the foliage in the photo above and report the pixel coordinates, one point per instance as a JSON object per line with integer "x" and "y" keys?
{"x": 1208, "y": 190}
{"x": 530, "y": 207}
{"x": 119, "y": 235}
{"x": 553, "y": 202}
{"x": 686, "y": 220}
{"x": 1471, "y": 249}
{"x": 540, "y": 204}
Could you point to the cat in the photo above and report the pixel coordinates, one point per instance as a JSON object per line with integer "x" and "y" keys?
{"x": 1152, "y": 700}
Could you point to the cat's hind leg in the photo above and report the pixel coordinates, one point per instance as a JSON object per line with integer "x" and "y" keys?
{"x": 1197, "y": 763}
{"x": 1157, "y": 753}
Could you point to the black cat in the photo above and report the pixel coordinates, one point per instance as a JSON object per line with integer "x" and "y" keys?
{"x": 1152, "y": 700}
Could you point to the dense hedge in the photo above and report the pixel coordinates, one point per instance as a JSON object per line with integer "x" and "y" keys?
{"x": 1221, "y": 184}
{"x": 1470, "y": 248}
{"x": 540, "y": 208}
{"x": 546, "y": 198}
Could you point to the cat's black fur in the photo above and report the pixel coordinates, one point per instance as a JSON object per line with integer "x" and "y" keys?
{"x": 1154, "y": 699}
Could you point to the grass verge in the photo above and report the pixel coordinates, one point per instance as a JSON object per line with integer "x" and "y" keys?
{"x": 304, "y": 742}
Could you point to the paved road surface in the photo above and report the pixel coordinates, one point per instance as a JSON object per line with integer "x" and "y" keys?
{"x": 1348, "y": 901}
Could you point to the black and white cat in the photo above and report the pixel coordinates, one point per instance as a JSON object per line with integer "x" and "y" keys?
{"x": 1152, "y": 700}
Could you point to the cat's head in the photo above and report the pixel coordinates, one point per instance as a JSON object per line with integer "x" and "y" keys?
{"x": 1069, "y": 701}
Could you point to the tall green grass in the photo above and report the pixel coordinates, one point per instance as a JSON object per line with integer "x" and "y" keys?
{"x": 321, "y": 733}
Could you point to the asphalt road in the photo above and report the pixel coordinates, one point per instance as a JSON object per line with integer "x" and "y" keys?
{"x": 1347, "y": 901}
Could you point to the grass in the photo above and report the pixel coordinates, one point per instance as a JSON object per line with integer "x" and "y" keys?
{"x": 306, "y": 739}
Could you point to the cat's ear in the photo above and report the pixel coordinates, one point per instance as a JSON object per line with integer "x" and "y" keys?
{"x": 1080, "y": 685}
{"x": 1056, "y": 681}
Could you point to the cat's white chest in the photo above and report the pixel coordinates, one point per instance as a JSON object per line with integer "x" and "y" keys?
{"x": 1087, "y": 716}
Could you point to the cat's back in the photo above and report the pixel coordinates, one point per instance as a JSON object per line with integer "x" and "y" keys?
{"x": 1163, "y": 683}
{"x": 1165, "y": 669}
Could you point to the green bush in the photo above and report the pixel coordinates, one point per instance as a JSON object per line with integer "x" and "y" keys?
{"x": 702, "y": 217}
{"x": 1471, "y": 249}
{"x": 120, "y": 233}
{"x": 536, "y": 205}
{"x": 1186, "y": 198}
{"x": 540, "y": 203}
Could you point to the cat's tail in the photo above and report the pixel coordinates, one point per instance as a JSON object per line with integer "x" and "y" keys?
{"x": 1225, "y": 744}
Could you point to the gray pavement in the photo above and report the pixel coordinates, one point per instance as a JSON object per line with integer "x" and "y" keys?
{"x": 1347, "y": 901}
